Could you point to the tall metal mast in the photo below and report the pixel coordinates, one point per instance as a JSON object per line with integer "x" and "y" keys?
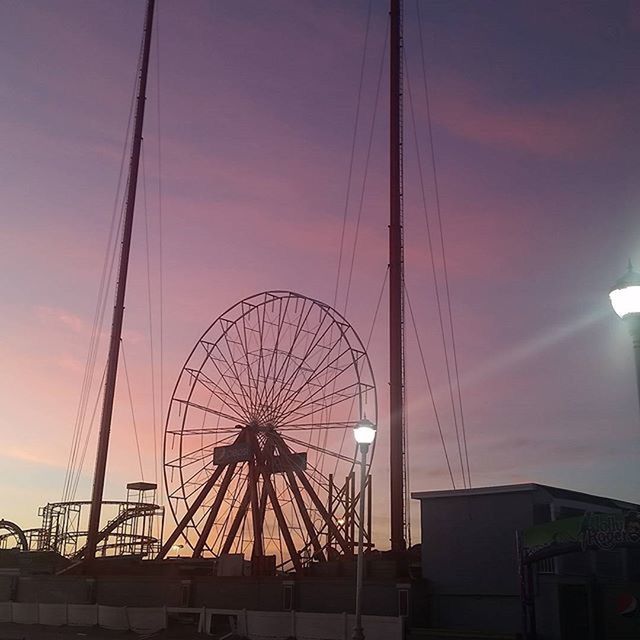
{"x": 118, "y": 310}
{"x": 396, "y": 287}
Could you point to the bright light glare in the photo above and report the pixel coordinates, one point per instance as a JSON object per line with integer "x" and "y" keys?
{"x": 364, "y": 432}
{"x": 625, "y": 301}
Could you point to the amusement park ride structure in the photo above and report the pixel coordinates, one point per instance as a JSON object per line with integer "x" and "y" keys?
{"x": 259, "y": 454}
{"x": 133, "y": 527}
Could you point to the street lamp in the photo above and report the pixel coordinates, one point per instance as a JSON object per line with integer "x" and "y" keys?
{"x": 364, "y": 433}
{"x": 625, "y": 300}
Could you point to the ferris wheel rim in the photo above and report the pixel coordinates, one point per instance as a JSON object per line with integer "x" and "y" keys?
{"x": 178, "y": 496}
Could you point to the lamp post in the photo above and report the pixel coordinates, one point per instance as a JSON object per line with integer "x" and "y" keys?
{"x": 625, "y": 300}
{"x": 364, "y": 433}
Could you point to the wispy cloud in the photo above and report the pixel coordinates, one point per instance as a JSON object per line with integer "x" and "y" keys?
{"x": 62, "y": 318}
{"x": 31, "y": 456}
{"x": 566, "y": 127}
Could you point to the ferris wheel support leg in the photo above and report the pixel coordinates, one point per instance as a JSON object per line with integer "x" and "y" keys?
{"x": 178, "y": 531}
{"x": 237, "y": 521}
{"x": 282, "y": 522}
{"x": 257, "y": 515}
{"x": 306, "y": 518}
{"x": 213, "y": 513}
{"x": 335, "y": 533}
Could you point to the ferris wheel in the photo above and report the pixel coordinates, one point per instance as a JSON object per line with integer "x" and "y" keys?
{"x": 259, "y": 432}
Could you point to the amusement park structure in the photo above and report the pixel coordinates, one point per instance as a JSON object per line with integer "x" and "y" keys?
{"x": 133, "y": 527}
{"x": 259, "y": 429}
{"x": 259, "y": 456}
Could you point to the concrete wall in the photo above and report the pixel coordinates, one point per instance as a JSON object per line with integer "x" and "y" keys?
{"x": 237, "y": 593}
{"x": 378, "y": 597}
{"x": 136, "y": 591}
{"x": 54, "y": 589}
{"x": 7, "y": 587}
{"x": 321, "y": 595}
{"x": 468, "y": 542}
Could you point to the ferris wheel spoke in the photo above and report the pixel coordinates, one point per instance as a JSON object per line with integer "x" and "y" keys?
{"x": 252, "y": 381}
{"x": 320, "y": 426}
{"x": 190, "y": 479}
{"x": 215, "y": 412}
{"x": 273, "y": 361}
{"x": 223, "y": 376}
{"x": 261, "y": 373}
{"x": 330, "y": 366}
{"x": 204, "y": 448}
{"x": 281, "y": 373}
{"x": 319, "y": 404}
{"x": 202, "y": 432}
{"x": 319, "y": 449}
{"x": 204, "y": 491}
{"x": 214, "y": 388}
{"x": 314, "y": 343}
{"x": 311, "y": 398}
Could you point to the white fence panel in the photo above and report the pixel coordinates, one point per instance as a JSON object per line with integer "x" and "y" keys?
{"x": 382, "y": 628}
{"x": 82, "y": 615}
{"x": 5, "y": 612}
{"x": 322, "y": 626}
{"x": 269, "y": 625}
{"x": 147, "y": 619}
{"x": 113, "y": 618}
{"x": 25, "y": 612}
{"x": 52, "y": 614}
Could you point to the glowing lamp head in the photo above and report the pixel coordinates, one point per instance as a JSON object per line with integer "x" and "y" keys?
{"x": 364, "y": 432}
{"x": 625, "y": 294}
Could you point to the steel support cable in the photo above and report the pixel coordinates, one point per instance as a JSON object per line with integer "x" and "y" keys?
{"x": 150, "y": 320}
{"x": 436, "y": 288}
{"x": 366, "y": 346}
{"x": 366, "y": 172}
{"x": 107, "y": 272}
{"x": 79, "y": 465}
{"x": 115, "y": 244}
{"x": 364, "y": 179}
{"x": 93, "y": 352}
{"x": 75, "y": 478}
{"x": 353, "y": 153}
{"x": 133, "y": 415}
{"x": 429, "y": 387}
{"x": 444, "y": 258}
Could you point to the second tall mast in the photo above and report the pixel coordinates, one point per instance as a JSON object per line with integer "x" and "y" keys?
{"x": 396, "y": 287}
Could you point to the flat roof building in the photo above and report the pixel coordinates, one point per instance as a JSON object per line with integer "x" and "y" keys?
{"x": 471, "y": 564}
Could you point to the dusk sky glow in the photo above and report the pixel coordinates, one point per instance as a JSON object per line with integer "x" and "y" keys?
{"x": 252, "y": 104}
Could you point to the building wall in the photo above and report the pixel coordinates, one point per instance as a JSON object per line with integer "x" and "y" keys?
{"x": 468, "y": 542}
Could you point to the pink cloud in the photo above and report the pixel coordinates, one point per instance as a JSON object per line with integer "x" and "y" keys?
{"x": 565, "y": 127}
{"x": 63, "y": 318}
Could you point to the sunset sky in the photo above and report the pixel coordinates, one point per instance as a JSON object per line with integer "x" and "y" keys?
{"x": 252, "y": 105}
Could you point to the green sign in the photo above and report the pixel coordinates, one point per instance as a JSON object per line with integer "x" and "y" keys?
{"x": 605, "y": 531}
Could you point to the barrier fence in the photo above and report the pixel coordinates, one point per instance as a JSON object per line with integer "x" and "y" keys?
{"x": 256, "y": 625}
